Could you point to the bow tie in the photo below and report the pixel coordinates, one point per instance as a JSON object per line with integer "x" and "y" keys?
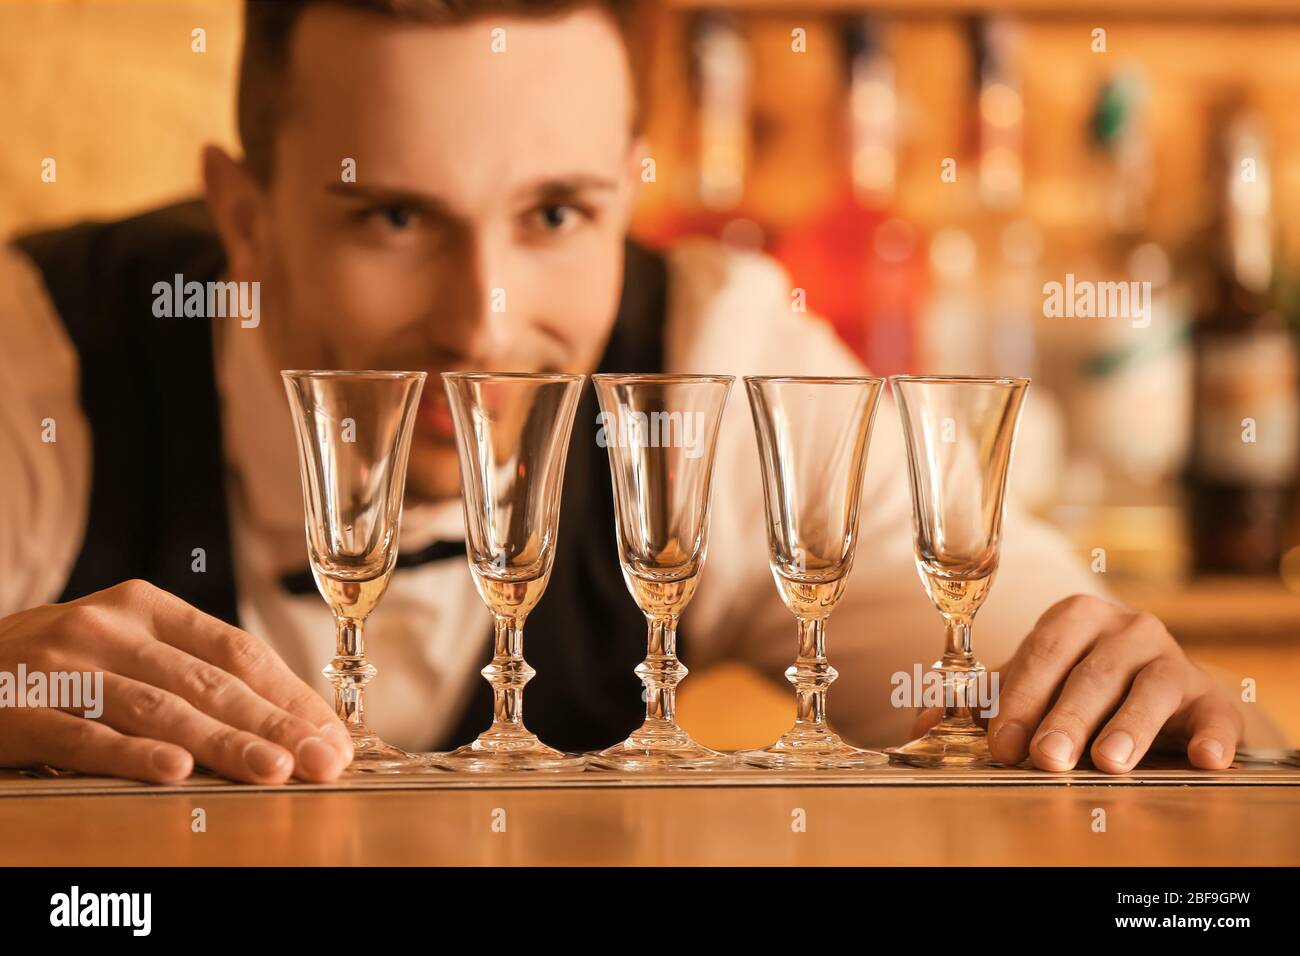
{"x": 302, "y": 582}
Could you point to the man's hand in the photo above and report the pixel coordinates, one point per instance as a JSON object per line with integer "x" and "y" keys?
{"x": 180, "y": 688}
{"x": 1093, "y": 671}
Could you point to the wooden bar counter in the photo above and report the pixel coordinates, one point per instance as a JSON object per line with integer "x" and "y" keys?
{"x": 1156, "y": 816}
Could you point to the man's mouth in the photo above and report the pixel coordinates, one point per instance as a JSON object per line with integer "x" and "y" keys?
{"x": 433, "y": 417}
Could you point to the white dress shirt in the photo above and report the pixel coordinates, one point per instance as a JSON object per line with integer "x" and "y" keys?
{"x": 728, "y": 312}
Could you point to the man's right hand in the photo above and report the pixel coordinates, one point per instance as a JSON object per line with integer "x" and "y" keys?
{"x": 180, "y": 688}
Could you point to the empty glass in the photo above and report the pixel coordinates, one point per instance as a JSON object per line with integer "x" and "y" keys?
{"x": 512, "y": 432}
{"x": 354, "y": 435}
{"x": 661, "y": 432}
{"x": 812, "y": 444}
{"x": 960, "y": 434}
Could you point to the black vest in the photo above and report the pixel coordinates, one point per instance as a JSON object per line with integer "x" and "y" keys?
{"x": 148, "y": 389}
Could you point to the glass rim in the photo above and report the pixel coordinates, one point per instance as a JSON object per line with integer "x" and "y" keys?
{"x": 343, "y": 372}
{"x": 669, "y": 378}
{"x": 966, "y": 379}
{"x": 513, "y": 376}
{"x": 815, "y": 379}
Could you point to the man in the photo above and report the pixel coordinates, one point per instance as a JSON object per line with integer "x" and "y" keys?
{"x": 495, "y": 156}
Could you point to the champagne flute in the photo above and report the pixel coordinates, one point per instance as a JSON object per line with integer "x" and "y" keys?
{"x": 960, "y": 434}
{"x": 812, "y": 436}
{"x": 512, "y": 432}
{"x": 354, "y": 435}
{"x": 661, "y": 433}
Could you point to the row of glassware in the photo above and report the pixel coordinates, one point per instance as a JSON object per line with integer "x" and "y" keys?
{"x": 354, "y": 432}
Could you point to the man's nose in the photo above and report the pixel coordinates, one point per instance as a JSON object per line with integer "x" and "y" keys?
{"x": 473, "y": 307}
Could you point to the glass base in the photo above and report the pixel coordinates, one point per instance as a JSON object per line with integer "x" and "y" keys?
{"x": 498, "y": 751}
{"x": 371, "y": 755}
{"x": 812, "y": 747}
{"x": 659, "y": 747}
{"x": 956, "y": 742}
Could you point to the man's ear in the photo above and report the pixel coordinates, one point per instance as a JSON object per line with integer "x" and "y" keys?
{"x": 237, "y": 203}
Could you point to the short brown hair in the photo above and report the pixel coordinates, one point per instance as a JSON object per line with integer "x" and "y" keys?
{"x": 268, "y": 29}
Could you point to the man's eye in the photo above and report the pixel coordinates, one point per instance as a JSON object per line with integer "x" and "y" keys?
{"x": 558, "y": 217}
{"x": 395, "y": 218}
{"x": 399, "y": 217}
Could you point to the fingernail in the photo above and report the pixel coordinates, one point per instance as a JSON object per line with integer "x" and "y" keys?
{"x": 1211, "y": 747}
{"x": 1011, "y": 737}
{"x": 1056, "y": 747}
{"x": 1117, "y": 747}
{"x": 170, "y": 761}
{"x": 266, "y": 760}
{"x": 317, "y": 757}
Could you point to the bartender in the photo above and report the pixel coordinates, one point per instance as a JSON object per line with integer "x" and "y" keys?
{"x": 439, "y": 186}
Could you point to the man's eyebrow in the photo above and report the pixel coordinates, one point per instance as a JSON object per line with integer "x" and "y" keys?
{"x": 553, "y": 186}
{"x": 550, "y": 187}
{"x": 385, "y": 196}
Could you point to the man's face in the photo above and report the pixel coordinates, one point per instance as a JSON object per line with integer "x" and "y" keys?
{"x": 484, "y": 230}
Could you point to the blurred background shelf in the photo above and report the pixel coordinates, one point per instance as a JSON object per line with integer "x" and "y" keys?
{"x": 1223, "y": 611}
{"x": 821, "y": 132}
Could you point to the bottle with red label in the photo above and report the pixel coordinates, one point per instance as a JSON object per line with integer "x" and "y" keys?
{"x": 1246, "y": 443}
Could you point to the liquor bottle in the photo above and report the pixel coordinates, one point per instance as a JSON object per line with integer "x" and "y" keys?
{"x": 992, "y": 254}
{"x": 1246, "y": 445}
{"x": 712, "y": 201}
{"x": 861, "y": 260}
{"x": 1125, "y": 356}
{"x": 986, "y": 205}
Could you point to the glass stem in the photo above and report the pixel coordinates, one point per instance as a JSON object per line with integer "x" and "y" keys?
{"x": 811, "y": 673}
{"x": 350, "y": 672}
{"x": 958, "y": 666}
{"x": 661, "y": 671}
{"x": 508, "y": 673}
